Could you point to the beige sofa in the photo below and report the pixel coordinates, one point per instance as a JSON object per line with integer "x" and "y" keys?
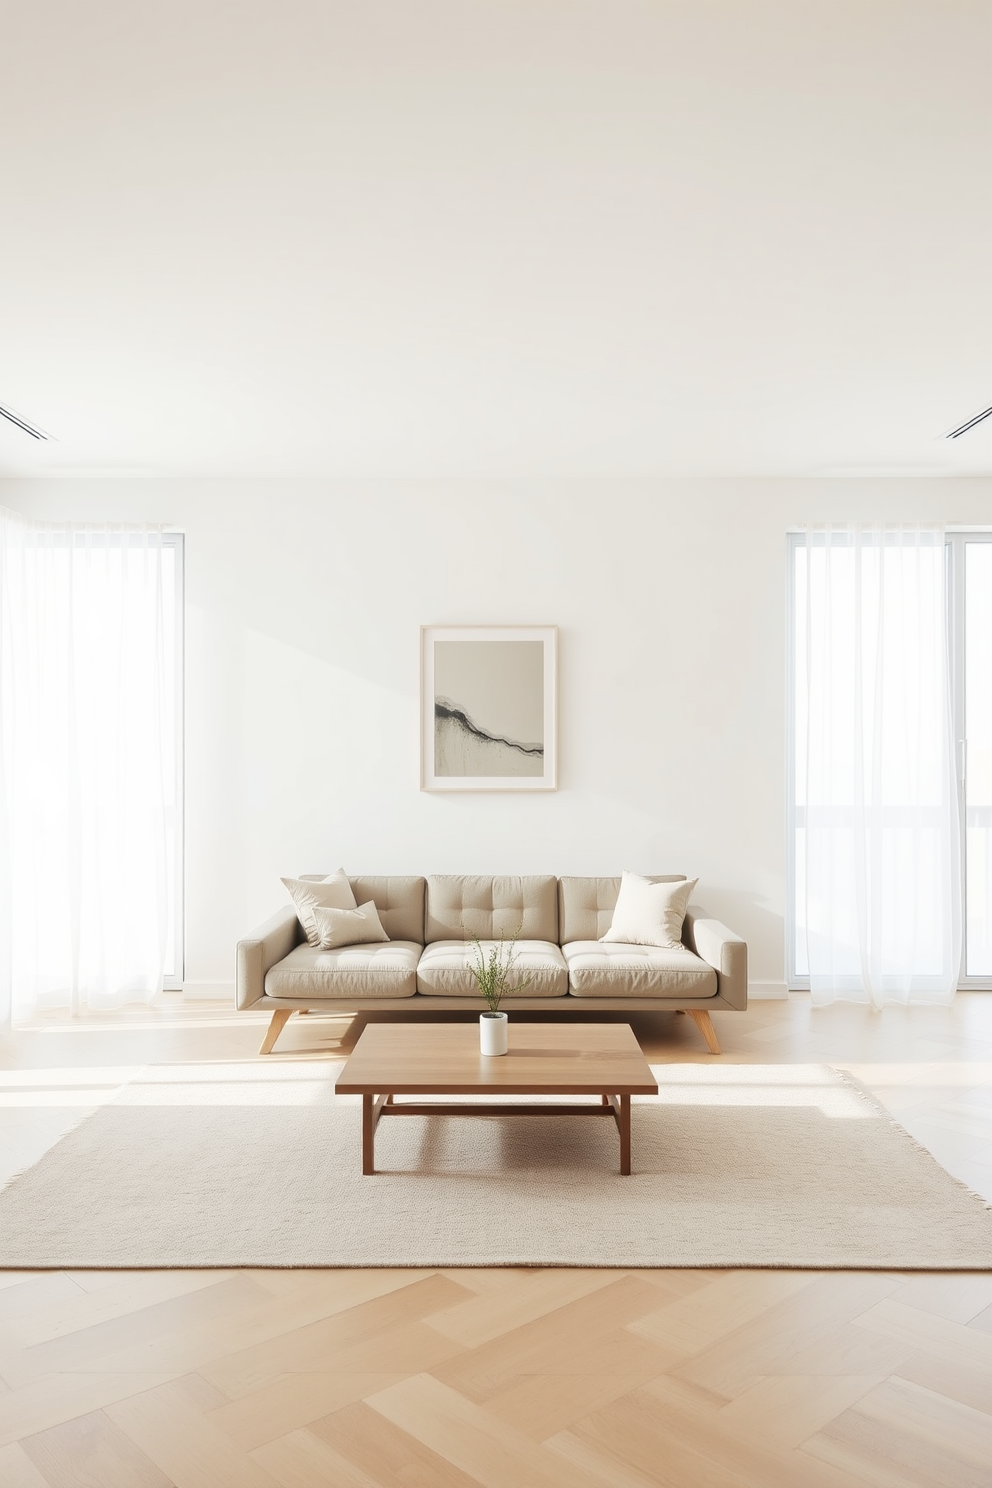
{"x": 431, "y": 924}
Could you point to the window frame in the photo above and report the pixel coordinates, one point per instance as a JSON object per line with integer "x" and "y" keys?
{"x": 173, "y": 982}
{"x": 795, "y": 980}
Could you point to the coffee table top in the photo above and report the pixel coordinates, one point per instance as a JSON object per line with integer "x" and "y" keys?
{"x": 560, "y": 1058}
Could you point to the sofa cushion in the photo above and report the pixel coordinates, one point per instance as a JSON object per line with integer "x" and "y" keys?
{"x": 388, "y": 969}
{"x": 399, "y": 900}
{"x": 348, "y": 927}
{"x": 462, "y": 905}
{"x": 649, "y": 913}
{"x": 333, "y": 892}
{"x": 605, "y": 969}
{"x": 586, "y": 905}
{"x": 445, "y": 969}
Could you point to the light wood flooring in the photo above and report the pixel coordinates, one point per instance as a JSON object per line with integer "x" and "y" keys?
{"x": 504, "y": 1378}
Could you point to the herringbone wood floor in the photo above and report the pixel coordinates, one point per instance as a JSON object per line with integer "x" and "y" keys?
{"x": 505, "y": 1378}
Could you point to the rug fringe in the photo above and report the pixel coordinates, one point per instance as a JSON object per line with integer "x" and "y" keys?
{"x": 872, "y": 1100}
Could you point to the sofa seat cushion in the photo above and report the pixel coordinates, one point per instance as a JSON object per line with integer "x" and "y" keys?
{"x": 599, "y": 968}
{"x": 383, "y": 969}
{"x": 445, "y": 969}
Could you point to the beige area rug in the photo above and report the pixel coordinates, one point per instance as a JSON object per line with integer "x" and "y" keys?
{"x": 258, "y": 1164}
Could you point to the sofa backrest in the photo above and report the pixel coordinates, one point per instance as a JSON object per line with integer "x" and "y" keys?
{"x": 399, "y": 901}
{"x": 488, "y": 906}
{"x": 586, "y": 905}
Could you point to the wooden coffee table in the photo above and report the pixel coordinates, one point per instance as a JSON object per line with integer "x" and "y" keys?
{"x": 392, "y": 1059}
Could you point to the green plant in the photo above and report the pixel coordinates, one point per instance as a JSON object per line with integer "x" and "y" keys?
{"x": 492, "y": 970}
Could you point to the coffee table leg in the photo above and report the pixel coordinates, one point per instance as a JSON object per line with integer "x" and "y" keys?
{"x": 624, "y": 1133}
{"x": 368, "y": 1134}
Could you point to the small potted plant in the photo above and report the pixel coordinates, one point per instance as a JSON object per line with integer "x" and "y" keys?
{"x": 492, "y": 972}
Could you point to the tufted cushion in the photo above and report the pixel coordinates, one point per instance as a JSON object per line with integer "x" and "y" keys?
{"x": 446, "y": 969}
{"x": 462, "y": 905}
{"x": 586, "y": 905}
{"x": 603, "y": 969}
{"x": 399, "y": 900}
{"x": 387, "y": 969}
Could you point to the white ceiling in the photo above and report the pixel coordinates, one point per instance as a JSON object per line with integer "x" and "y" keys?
{"x": 508, "y": 237}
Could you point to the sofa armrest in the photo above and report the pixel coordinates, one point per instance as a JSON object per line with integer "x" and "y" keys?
{"x": 721, "y": 949}
{"x": 257, "y": 952}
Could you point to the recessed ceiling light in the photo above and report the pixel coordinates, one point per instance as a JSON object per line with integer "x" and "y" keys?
{"x": 969, "y": 424}
{"x": 22, "y": 423}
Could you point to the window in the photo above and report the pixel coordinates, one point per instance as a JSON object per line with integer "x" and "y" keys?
{"x": 889, "y": 755}
{"x": 91, "y": 764}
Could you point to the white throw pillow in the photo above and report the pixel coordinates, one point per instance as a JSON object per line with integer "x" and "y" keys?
{"x": 346, "y": 927}
{"x": 650, "y": 913}
{"x": 333, "y": 892}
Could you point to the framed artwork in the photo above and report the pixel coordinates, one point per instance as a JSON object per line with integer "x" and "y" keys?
{"x": 488, "y": 707}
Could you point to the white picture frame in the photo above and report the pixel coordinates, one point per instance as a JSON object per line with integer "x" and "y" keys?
{"x": 489, "y": 707}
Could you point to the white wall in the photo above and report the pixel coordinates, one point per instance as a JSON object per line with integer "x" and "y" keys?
{"x": 304, "y": 602}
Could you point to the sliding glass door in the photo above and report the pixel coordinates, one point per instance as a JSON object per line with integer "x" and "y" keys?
{"x": 970, "y": 561}
{"x": 968, "y": 639}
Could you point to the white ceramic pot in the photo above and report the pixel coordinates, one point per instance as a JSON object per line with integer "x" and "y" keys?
{"x": 492, "y": 1033}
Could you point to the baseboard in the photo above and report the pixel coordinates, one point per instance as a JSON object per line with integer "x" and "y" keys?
{"x": 767, "y": 992}
{"x": 208, "y": 991}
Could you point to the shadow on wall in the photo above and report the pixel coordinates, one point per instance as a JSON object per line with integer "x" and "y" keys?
{"x": 748, "y": 915}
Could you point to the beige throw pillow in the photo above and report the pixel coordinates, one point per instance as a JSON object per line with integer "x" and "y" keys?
{"x": 347, "y": 927}
{"x": 650, "y": 913}
{"x": 333, "y": 892}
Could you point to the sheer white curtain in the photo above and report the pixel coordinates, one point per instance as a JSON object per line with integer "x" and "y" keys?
{"x": 876, "y": 767}
{"x": 84, "y": 674}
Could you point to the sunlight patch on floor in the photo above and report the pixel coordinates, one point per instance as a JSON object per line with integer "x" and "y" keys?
{"x": 931, "y": 1075}
{"x": 57, "y": 1087}
{"x": 233, "y": 1083}
{"x": 769, "y": 1085}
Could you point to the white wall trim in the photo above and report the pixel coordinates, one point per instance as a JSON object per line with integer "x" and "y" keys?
{"x": 208, "y": 992}
{"x": 767, "y": 992}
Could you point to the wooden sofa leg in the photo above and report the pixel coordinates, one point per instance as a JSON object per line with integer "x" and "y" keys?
{"x": 275, "y": 1028}
{"x": 704, "y": 1023}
